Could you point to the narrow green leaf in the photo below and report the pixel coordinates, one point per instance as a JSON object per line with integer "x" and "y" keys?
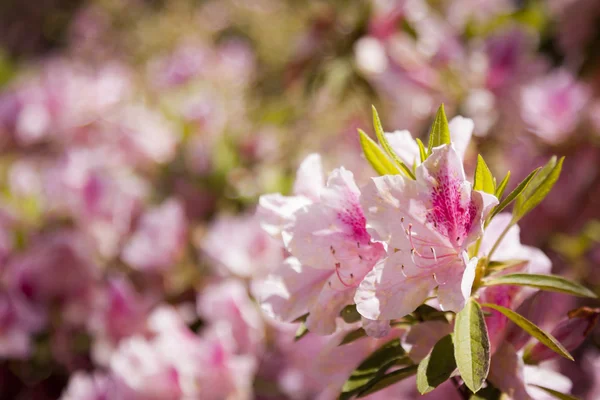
{"x": 422, "y": 151}
{"x": 495, "y": 266}
{"x": 535, "y": 331}
{"x": 551, "y": 283}
{"x": 538, "y": 189}
{"x": 556, "y": 394}
{"x": 375, "y": 156}
{"x": 383, "y": 381}
{"x": 484, "y": 180}
{"x": 386, "y": 146}
{"x": 373, "y": 366}
{"x": 502, "y": 186}
{"x": 472, "y": 346}
{"x": 513, "y": 195}
{"x": 301, "y": 332}
{"x": 437, "y": 367}
{"x": 440, "y": 131}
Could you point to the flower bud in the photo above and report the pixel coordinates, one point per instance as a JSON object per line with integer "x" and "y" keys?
{"x": 570, "y": 333}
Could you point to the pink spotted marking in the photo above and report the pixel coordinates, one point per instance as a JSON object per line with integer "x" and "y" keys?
{"x": 448, "y": 214}
{"x": 353, "y": 219}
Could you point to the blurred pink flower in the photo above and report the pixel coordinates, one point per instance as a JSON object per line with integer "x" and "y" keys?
{"x": 159, "y": 239}
{"x": 84, "y": 386}
{"x": 552, "y": 105}
{"x": 228, "y": 305}
{"x": 240, "y": 247}
{"x": 119, "y": 312}
{"x": 177, "y": 364}
{"x": 19, "y": 320}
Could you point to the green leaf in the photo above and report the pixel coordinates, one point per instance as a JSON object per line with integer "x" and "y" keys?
{"x": 535, "y": 331}
{"x": 538, "y": 189}
{"x": 495, "y": 266}
{"x": 422, "y": 151}
{"x": 376, "y": 157}
{"x": 437, "y": 367}
{"x": 383, "y": 381}
{"x": 516, "y": 192}
{"x": 556, "y": 394}
{"x": 301, "y": 332}
{"x": 440, "y": 131}
{"x": 551, "y": 283}
{"x": 349, "y": 314}
{"x": 353, "y": 335}
{"x": 375, "y": 365}
{"x": 502, "y": 186}
{"x": 386, "y": 146}
{"x": 472, "y": 346}
{"x": 484, "y": 180}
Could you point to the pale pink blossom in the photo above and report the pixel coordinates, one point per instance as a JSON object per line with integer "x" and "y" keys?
{"x": 277, "y": 212}
{"x": 332, "y": 253}
{"x": 428, "y": 224}
{"x": 159, "y": 239}
{"x": 19, "y": 320}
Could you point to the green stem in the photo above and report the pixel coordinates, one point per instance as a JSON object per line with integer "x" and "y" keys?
{"x": 500, "y": 238}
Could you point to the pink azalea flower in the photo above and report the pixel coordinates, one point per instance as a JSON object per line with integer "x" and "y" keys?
{"x": 461, "y": 131}
{"x": 332, "y": 253}
{"x": 277, "y": 212}
{"x": 552, "y": 106}
{"x": 159, "y": 239}
{"x": 428, "y": 225}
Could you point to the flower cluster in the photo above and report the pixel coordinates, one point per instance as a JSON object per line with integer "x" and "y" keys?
{"x": 422, "y": 238}
{"x": 141, "y": 258}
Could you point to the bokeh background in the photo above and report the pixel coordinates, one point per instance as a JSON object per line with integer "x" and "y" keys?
{"x": 137, "y": 135}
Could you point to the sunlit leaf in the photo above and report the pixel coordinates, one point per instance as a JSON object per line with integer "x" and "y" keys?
{"x": 538, "y": 189}
{"x": 484, "y": 180}
{"x": 531, "y": 328}
{"x": 502, "y": 186}
{"x": 301, "y": 332}
{"x": 376, "y": 157}
{"x": 437, "y": 367}
{"x": 422, "y": 151}
{"x": 386, "y": 146}
{"x": 516, "y": 192}
{"x": 552, "y": 283}
{"x": 440, "y": 131}
{"x": 472, "y": 346}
